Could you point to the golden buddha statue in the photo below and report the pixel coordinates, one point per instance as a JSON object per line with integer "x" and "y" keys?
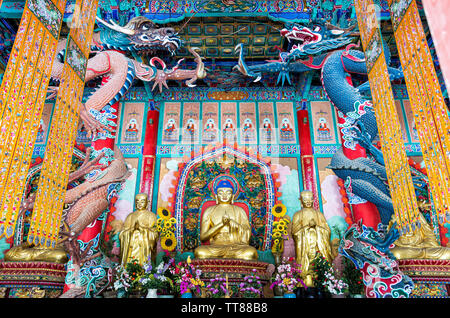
{"x": 32, "y": 253}
{"x": 419, "y": 244}
{"x": 225, "y": 226}
{"x": 138, "y": 236}
{"x": 311, "y": 233}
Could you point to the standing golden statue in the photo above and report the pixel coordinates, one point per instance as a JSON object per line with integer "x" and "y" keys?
{"x": 311, "y": 233}
{"x": 138, "y": 237}
{"x": 419, "y": 244}
{"x": 225, "y": 226}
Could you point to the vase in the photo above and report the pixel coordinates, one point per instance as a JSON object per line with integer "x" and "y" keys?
{"x": 166, "y": 296}
{"x": 277, "y": 291}
{"x": 356, "y": 296}
{"x": 151, "y": 293}
{"x": 320, "y": 293}
{"x": 300, "y": 292}
{"x": 289, "y": 295}
{"x": 187, "y": 294}
{"x": 337, "y": 296}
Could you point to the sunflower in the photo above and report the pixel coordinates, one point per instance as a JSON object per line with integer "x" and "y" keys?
{"x": 279, "y": 210}
{"x": 173, "y": 221}
{"x": 276, "y": 234}
{"x": 281, "y": 228}
{"x": 168, "y": 242}
{"x": 164, "y": 213}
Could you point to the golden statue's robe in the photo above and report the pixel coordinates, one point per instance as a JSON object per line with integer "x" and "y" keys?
{"x": 230, "y": 241}
{"x": 311, "y": 233}
{"x": 420, "y": 244}
{"x": 138, "y": 237}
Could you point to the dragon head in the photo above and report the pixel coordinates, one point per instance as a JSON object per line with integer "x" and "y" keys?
{"x": 315, "y": 39}
{"x": 138, "y": 35}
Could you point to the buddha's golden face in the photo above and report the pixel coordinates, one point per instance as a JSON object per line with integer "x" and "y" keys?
{"x": 307, "y": 199}
{"x": 224, "y": 195}
{"x": 141, "y": 202}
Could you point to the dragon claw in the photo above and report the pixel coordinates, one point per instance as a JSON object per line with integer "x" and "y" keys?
{"x": 92, "y": 125}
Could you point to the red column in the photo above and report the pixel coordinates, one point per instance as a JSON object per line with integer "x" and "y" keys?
{"x": 306, "y": 155}
{"x": 367, "y": 212}
{"x": 149, "y": 153}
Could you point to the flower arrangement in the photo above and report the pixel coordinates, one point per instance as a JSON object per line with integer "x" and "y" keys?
{"x": 251, "y": 287}
{"x": 279, "y": 231}
{"x": 320, "y": 265}
{"x": 166, "y": 226}
{"x": 287, "y": 276}
{"x": 157, "y": 278}
{"x": 218, "y": 287}
{"x": 334, "y": 285}
{"x": 353, "y": 277}
{"x": 134, "y": 277}
{"x": 187, "y": 277}
{"x": 126, "y": 277}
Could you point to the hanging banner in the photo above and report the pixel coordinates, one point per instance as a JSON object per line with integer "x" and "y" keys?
{"x": 430, "y": 111}
{"x": 397, "y": 167}
{"x": 46, "y": 217}
{"x": 22, "y": 99}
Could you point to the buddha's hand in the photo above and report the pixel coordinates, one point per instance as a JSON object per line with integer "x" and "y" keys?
{"x": 226, "y": 220}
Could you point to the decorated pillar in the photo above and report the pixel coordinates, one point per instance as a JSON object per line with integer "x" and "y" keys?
{"x": 149, "y": 153}
{"x": 22, "y": 97}
{"x": 306, "y": 155}
{"x": 392, "y": 145}
{"x": 103, "y": 142}
{"x": 363, "y": 210}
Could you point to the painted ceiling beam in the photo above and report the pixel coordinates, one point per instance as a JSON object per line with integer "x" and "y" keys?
{"x": 174, "y": 11}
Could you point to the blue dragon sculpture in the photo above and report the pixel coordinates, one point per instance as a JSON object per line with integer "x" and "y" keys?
{"x": 328, "y": 48}
{"x": 331, "y": 50}
{"x": 369, "y": 251}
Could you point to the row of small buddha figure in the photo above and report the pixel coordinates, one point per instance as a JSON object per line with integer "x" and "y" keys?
{"x": 227, "y": 228}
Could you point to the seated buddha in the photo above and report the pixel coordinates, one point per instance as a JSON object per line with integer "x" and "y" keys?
{"x": 31, "y": 253}
{"x": 419, "y": 244}
{"x": 226, "y": 226}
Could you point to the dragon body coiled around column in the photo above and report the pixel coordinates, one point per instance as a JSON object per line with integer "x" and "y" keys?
{"x": 358, "y": 162}
{"x": 328, "y": 49}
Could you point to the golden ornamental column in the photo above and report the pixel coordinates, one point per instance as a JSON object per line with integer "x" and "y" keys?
{"x": 47, "y": 212}
{"x": 430, "y": 111}
{"x": 397, "y": 167}
{"x": 22, "y": 97}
